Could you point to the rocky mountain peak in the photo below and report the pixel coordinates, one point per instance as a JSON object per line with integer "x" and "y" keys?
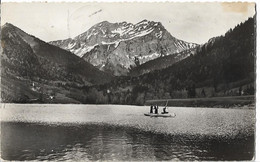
{"x": 118, "y": 45}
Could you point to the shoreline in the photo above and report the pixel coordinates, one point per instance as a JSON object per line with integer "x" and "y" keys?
{"x": 244, "y": 107}
{"x": 211, "y": 102}
{"x": 228, "y": 102}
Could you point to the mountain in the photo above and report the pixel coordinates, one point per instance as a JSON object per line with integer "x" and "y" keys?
{"x": 27, "y": 60}
{"x": 118, "y": 47}
{"x": 224, "y": 66}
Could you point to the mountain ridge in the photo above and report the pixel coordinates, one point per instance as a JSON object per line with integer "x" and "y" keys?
{"x": 26, "y": 59}
{"x": 144, "y": 41}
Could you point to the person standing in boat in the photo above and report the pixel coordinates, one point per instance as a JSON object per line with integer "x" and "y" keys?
{"x": 151, "y": 109}
{"x": 156, "y": 109}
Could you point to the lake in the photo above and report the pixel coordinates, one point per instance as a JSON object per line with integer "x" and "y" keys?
{"x": 120, "y": 132}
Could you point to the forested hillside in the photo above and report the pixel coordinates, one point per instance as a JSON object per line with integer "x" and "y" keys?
{"x": 32, "y": 68}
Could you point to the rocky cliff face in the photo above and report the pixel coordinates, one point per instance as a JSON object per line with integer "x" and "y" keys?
{"x": 118, "y": 47}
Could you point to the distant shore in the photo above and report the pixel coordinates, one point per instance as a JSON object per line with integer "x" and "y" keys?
{"x": 213, "y": 102}
{"x": 239, "y": 102}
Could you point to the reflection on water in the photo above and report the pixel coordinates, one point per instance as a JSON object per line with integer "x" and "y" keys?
{"x": 27, "y": 141}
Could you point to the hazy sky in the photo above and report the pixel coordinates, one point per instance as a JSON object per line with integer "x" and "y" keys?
{"x": 192, "y": 22}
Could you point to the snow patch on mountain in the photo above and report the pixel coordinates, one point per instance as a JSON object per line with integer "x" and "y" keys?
{"x": 146, "y": 58}
{"x": 83, "y": 50}
{"x": 71, "y": 45}
{"x": 159, "y": 35}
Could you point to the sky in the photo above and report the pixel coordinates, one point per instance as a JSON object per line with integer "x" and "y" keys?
{"x": 191, "y": 22}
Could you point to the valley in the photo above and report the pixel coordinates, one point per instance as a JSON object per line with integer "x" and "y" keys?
{"x": 123, "y": 63}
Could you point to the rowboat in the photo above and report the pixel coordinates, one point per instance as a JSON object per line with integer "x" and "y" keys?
{"x": 159, "y": 115}
{"x": 163, "y": 114}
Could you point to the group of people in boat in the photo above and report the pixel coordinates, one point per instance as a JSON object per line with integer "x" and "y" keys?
{"x": 154, "y": 109}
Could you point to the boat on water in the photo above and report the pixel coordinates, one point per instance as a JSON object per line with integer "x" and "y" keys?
{"x": 156, "y": 114}
{"x": 159, "y": 115}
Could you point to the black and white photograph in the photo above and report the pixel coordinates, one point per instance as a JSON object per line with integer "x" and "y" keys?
{"x": 128, "y": 81}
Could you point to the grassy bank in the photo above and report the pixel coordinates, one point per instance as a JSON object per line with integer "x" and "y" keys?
{"x": 226, "y": 102}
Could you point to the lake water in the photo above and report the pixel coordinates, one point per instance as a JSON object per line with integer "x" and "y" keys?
{"x": 116, "y": 132}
